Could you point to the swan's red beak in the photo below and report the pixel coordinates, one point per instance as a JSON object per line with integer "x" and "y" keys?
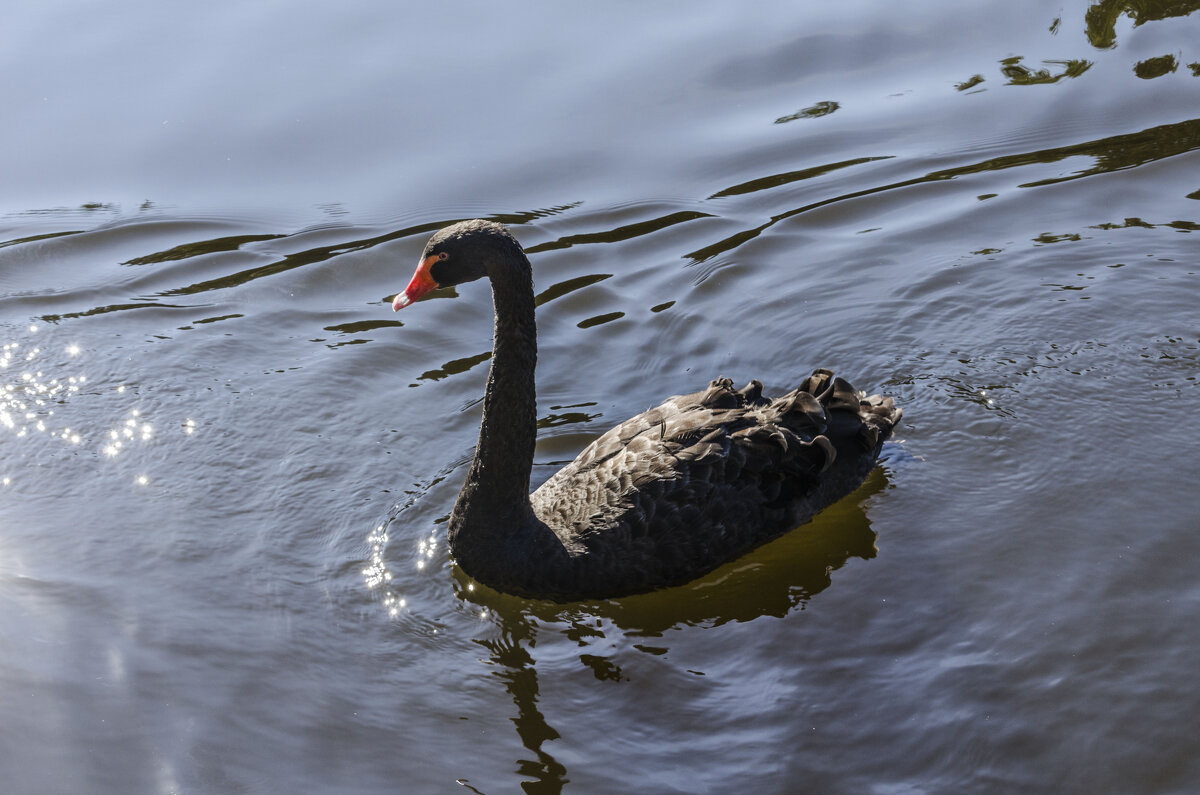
{"x": 422, "y": 282}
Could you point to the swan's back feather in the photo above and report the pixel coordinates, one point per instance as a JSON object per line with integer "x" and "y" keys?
{"x": 696, "y": 481}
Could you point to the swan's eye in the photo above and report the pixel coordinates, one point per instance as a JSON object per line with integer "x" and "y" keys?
{"x": 440, "y": 271}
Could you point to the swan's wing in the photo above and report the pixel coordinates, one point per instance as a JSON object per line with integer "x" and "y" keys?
{"x": 701, "y": 479}
{"x": 720, "y": 455}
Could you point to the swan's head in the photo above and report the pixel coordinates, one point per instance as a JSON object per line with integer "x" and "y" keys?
{"x": 459, "y": 253}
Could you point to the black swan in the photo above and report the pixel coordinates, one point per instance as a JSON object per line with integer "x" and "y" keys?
{"x": 658, "y": 500}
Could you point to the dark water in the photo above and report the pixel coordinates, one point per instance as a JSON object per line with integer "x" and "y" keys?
{"x": 226, "y": 464}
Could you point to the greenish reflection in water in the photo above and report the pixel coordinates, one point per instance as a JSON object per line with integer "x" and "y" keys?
{"x": 1101, "y": 18}
{"x": 1020, "y": 75}
{"x": 1155, "y": 67}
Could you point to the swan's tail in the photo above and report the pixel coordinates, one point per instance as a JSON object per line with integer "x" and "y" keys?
{"x": 870, "y": 418}
{"x": 823, "y": 405}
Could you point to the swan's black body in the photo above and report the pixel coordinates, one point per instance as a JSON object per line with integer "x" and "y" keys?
{"x": 658, "y": 500}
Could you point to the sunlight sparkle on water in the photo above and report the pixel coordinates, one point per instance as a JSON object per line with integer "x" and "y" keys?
{"x": 30, "y": 399}
{"x": 377, "y": 575}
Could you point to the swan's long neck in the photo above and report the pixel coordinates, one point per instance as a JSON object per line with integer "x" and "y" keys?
{"x": 494, "y": 501}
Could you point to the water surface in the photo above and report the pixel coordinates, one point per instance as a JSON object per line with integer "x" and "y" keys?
{"x": 227, "y": 466}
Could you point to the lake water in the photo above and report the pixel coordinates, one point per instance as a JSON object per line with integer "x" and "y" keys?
{"x": 226, "y": 466}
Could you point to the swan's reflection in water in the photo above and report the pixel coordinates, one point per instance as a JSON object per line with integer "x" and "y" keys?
{"x": 773, "y": 580}
{"x": 516, "y": 669}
